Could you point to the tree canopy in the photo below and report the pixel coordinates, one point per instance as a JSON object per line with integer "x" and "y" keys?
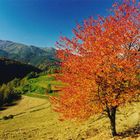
{"x": 101, "y": 64}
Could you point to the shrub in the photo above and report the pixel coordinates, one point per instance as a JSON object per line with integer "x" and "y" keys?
{"x": 49, "y": 88}
{"x": 8, "y": 93}
{"x": 32, "y": 75}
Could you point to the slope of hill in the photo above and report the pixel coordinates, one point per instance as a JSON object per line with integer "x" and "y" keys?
{"x": 27, "y": 54}
{"x": 40, "y": 86}
{"x": 10, "y": 69}
{"x": 34, "y": 119}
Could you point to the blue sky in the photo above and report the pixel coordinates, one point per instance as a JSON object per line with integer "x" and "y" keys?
{"x": 42, "y": 22}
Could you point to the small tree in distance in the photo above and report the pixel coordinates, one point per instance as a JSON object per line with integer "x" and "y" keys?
{"x": 101, "y": 65}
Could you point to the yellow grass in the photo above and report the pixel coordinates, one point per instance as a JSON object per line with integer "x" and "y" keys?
{"x": 35, "y": 120}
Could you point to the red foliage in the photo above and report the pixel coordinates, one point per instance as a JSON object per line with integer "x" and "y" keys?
{"x": 100, "y": 63}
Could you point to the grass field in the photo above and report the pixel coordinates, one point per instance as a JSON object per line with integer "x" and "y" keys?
{"x": 37, "y": 87}
{"x": 34, "y": 119}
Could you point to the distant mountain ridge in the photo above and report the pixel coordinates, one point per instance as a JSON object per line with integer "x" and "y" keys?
{"x": 28, "y": 54}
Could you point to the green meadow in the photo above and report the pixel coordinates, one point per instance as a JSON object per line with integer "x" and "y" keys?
{"x": 40, "y": 86}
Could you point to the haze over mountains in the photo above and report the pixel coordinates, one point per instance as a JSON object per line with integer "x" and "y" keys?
{"x": 28, "y": 54}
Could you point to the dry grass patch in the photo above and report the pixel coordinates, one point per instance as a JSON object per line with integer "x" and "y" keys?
{"x": 37, "y": 121}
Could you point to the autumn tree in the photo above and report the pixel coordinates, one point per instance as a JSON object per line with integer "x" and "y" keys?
{"x": 100, "y": 64}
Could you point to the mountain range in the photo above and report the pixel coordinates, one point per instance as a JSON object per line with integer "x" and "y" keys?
{"x": 27, "y": 53}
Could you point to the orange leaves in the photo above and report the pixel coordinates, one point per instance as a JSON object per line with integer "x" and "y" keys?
{"x": 100, "y": 63}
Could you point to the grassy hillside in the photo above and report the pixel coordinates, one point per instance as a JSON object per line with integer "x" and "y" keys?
{"x": 27, "y": 54}
{"x": 10, "y": 69}
{"x": 35, "y": 119}
{"x": 38, "y": 87}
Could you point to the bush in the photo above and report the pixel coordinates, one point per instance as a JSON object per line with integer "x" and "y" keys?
{"x": 53, "y": 69}
{"x": 8, "y": 117}
{"x": 26, "y": 88}
{"x": 9, "y": 93}
{"x": 32, "y": 75}
{"x": 49, "y": 88}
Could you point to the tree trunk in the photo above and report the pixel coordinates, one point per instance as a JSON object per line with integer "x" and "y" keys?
{"x": 112, "y": 116}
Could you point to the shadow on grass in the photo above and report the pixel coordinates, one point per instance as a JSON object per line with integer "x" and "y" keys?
{"x": 131, "y": 132}
{"x": 6, "y": 106}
